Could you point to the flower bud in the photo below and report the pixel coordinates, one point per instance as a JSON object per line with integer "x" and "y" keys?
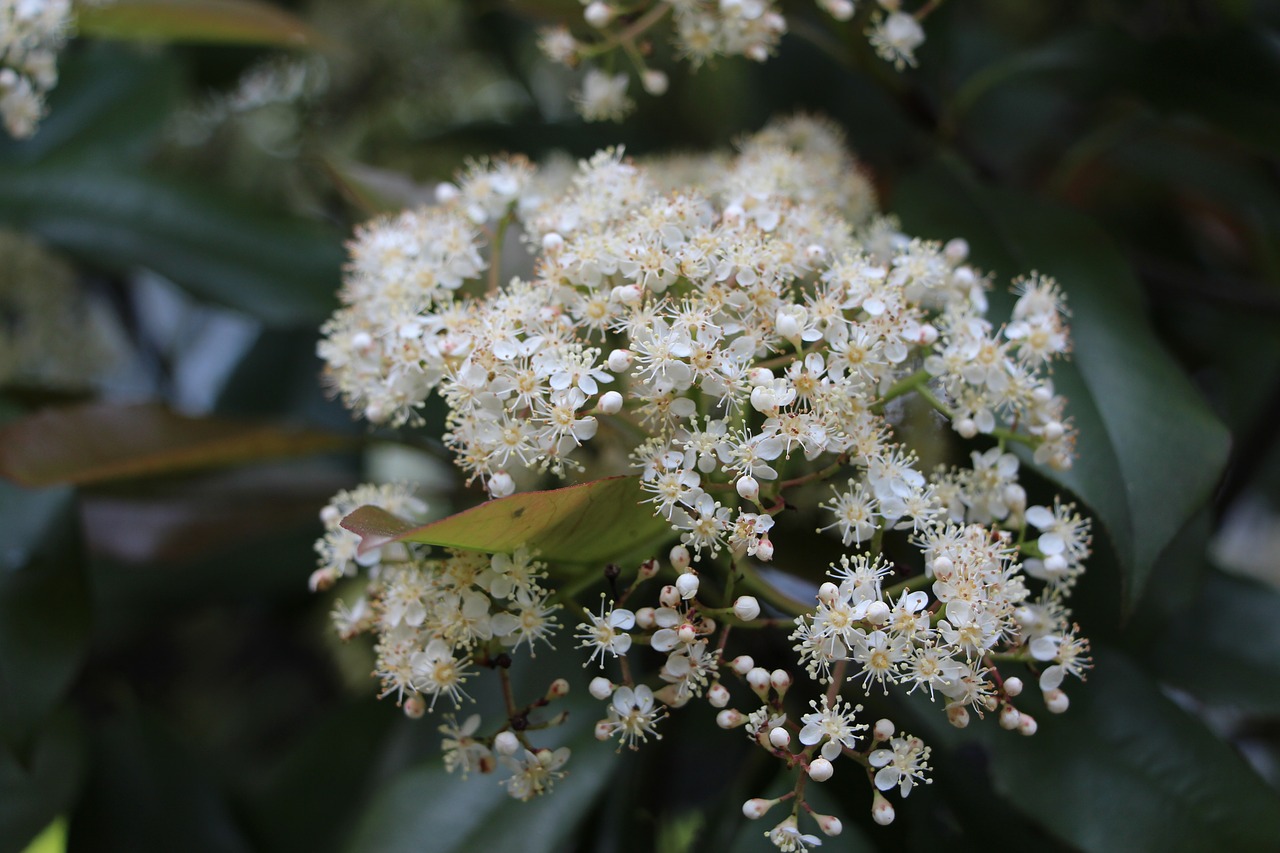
{"x": 781, "y": 680}
{"x": 620, "y": 360}
{"x": 506, "y": 743}
{"x": 680, "y": 558}
{"x": 820, "y": 769}
{"x": 758, "y": 680}
{"x": 746, "y": 607}
{"x": 600, "y": 688}
{"x": 828, "y": 592}
{"x": 884, "y": 729}
{"x": 501, "y": 485}
{"x": 754, "y": 809}
{"x": 764, "y": 549}
{"x": 330, "y": 515}
{"x": 598, "y": 14}
{"x": 966, "y": 427}
{"x": 445, "y": 192}
{"x": 1053, "y": 430}
{"x": 829, "y": 824}
{"x": 1012, "y": 686}
{"x": 1009, "y": 717}
{"x": 646, "y": 618}
{"x": 654, "y": 81}
{"x": 685, "y": 633}
{"x": 687, "y": 585}
{"x": 877, "y": 613}
{"x": 1027, "y": 725}
{"x": 956, "y": 251}
{"x": 559, "y": 688}
{"x": 628, "y": 294}
{"x": 779, "y": 737}
{"x": 748, "y": 488}
{"x": 552, "y": 242}
{"x": 670, "y": 596}
{"x": 673, "y": 696}
{"x": 742, "y": 664}
{"x": 758, "y": 377}
{"x": 604, "y": 730}
{"x": 1016, "y": 498}
{"x": 942, "y": 568}
{"x": 958, "y": 716}
{"x": 788, "y": 325}
{"x": 881, "y": 810}
{"x": 718, "y": 695}
{"x": 414, "y": 707}
{"x": 928, "y": 334}
{"x": 322, "y": 579}
{"x": 610, "y": 403}
{"x": 1056, "y": 701}
{"x": 729, "y": 719}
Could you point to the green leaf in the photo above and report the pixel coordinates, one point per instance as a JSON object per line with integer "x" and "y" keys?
{"x": 1231, "y": 658}
{"x": 1150, "y": 451}
{"x": 235, "y": 21}
{"x": 1126, "y": 769}
{"x": 39, "y": 783}
{"x": 52, "y": 840}
{"x": 45, "y": 615}
{"x": 97, "y": 442}
{"x": 277, "y": 268}
{"x": 429, "y": 809}
{"x": 589, "y": 523}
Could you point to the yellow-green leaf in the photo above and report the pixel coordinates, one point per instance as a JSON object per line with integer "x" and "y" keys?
{"x": 592, "y": 522}
{"x": 235, "y": 21}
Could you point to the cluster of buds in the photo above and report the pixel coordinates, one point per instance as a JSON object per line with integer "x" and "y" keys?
{"x": 32, "y": 32}
{"x": 702, "y": 30}
{"x": 740, "y": 334}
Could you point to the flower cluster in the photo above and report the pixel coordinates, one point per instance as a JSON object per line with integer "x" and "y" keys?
{"x": 32, "y": 32}
{"x": 703, "y": 30}
{"x": 743, "y": 334}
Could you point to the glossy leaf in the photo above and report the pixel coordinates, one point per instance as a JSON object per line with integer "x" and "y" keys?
{"x": 235, "y": 21}
{"x": 95, "y": 443}
{"x": 1149, "y": 451}
{"x": 1231, "y": 658}
{"x": 1125, "y": 769}
{"x": 428, "y": 808}
{"x": 591, "y": 522}
{"x": 275, "y": 267}
{"x": 39, "y": 782}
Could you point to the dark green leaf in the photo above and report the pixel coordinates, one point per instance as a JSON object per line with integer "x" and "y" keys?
{"x": 1150, "y": 451}
{"x": 1231, "y": 657}
{"x": 39, "y": 782}
{"x": 94, "y": 443}
{"x": 235, "y": 21}
{"x": 276, "y": 268}
{"x": 589, "y": 523}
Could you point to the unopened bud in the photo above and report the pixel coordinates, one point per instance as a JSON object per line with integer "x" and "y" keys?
{"x": 628, "y": 294}
{"x": 781, "y": 680}
{"x": 755, "y": 808}
{"x": 742, "y": 664}
{"x": 718, "y": 695}
{"x": 552, "y": 242}
{"x": 758, "y": 680}
{"x": 746, "y": 607}
{"x": 680, "y": 558}
{"x": 1012, "y": 686}
{"x": 966, "y": 427}
{"x": 686, "y": 633}
{"x": 670, "y": 596}
{"x": 646, "y": 618}
{"x": 958, "y": 716}
{"x": 956, "y": 251}
{"x": 600, "y": 688}
{"x": 877, "y": 613}
{"x": 1053, "y": 430}
{"x": 1056, "y": 701}
{"x": 620, "y": 360}
{"x": 506, "y": 743}
{"x": 884, "y": 729}
{"x": 1009, "y": 717}
{"x": 779, "y": 737}
{"x": 881, "y": 810}
{"x": 764, "y": 549}
{"x": 730, "y": 719}
{"x": 648, "y": 569}
{"x": 759, "y": 376}
{"x": 604, "y": 730}
{"x": 829, "y": 823}
{"x": 610, "y": 403}
{"x": 820, "y": 770}
{"x": 330, "y": 515}
{"x": 501, "y": 485}
{"x": 654, "y": 81}
{"x": 322, "y": 579}
{"x": 598, "y": 14}
{"x": 748, "y": 488}
{"x": 446, "y": 192}
{"x": 687, "y": 584}
{"x": 942, "y": 568}
{"x": 414, "y": 707}
{"x": 558, "y": 689}
{"x": 828, "y": 592}
{"x": 1027, "y": 725}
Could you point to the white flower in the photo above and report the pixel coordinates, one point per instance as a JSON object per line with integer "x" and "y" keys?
{"x": 787, "y": 837}
{"x": 633, "y": 715}
{"x": 533, "y": 773}
{"x": 604, "y": 97}
{"x": 834, "y": 724}
{"x": 902, "y": 764}
{"x": 606, "y": 633}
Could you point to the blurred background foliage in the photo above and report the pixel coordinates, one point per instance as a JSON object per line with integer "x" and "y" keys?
{"x": 173, "y": 238}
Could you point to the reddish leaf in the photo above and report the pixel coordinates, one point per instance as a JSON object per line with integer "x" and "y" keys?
{"x": 98, "y": 442}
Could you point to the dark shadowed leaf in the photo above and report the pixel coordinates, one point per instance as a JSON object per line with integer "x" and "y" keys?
{"x": 591, "y": 522}
{"x": 96, "y": 442}
{"x": 1150, "y": 451}
{"x": 235, "y": 21}
{"x": 39, "y": 781}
